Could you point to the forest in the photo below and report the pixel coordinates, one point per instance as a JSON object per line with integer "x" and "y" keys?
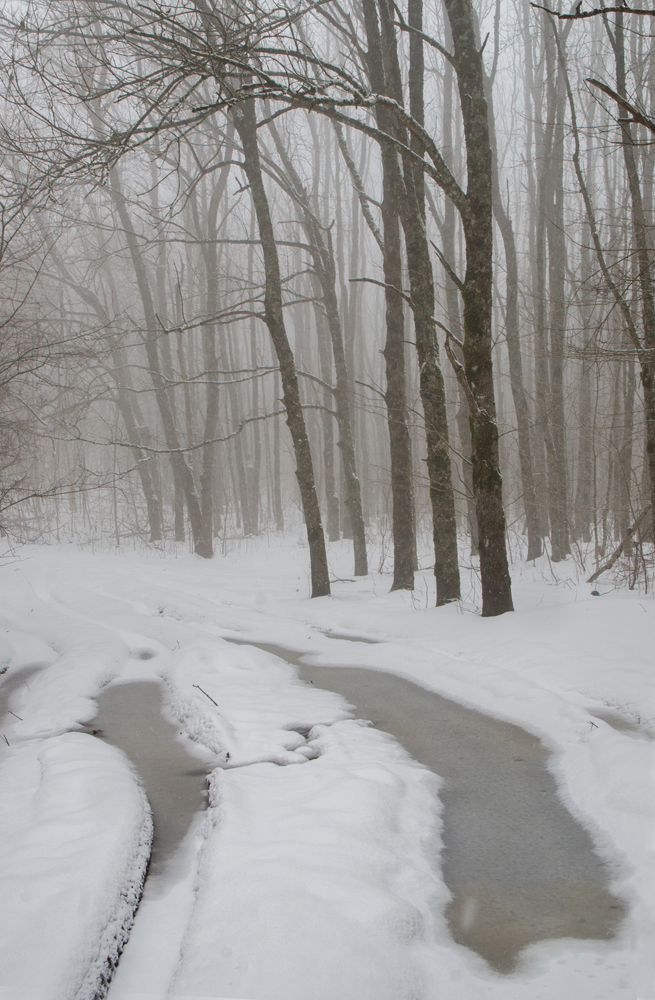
{"x": 386, "y": 272}
{"x": 327, "y": 500}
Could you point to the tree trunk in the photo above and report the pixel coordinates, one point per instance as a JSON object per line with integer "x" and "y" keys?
{"x": 447, "y": 231}
{"x": 558, "y": 479}
{"x": 477, "y": 297}
{"x": 324, "y": 268}
{"x": 385, "y": 78}
{"x": 246, "y": 125}
{"x": 181, "y": 470}
{"x": 332, "y": 500}
{"x": 643, "y": 256}
{"x": 514, "y": 351}
{"x": 400, "y": 450}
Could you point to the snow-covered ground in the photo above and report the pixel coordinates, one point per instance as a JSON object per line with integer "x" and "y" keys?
{"x": 319, "y": 879}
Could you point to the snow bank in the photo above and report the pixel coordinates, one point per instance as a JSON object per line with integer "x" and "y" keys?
{"x": 75, "y": 833}
{"x": 316, "y": 882}
{"x": 313, "y": 881}
{"x": 244, "y": 704}
{"x": 306, "y": 882}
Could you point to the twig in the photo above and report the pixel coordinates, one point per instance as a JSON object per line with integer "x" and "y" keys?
{"x": 638, "y": 117}
{"x": 460, "y": 374}
{"x": 205, "y": 693}
{"x": 450, "y": 271}
{"x": 579, "y": 14}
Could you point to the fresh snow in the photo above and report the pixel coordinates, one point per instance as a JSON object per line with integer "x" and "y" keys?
{"x": 315, "y": 872}
{"x": 75, "y": 833}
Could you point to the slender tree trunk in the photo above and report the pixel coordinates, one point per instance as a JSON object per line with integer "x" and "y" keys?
{"x": 332, "y": 500}
{"x": 585, "y": 466}
{"x": 278, "y": 512}
{"x": 447, "y": 231}
{"x": 207, "y": 473}
{"x": 556, "y": 288}
{"x": 246, "y": 125}
{"x": 324, "y": 268}
{"x": 514, "y": 351}
{"x": 400, "y": 450}
{"x": 400, "y": 446}
{"x": 181, "y": 470}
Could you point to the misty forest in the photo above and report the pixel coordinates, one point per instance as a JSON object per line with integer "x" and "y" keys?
{"x": 388, "y": 273}
{"x": 349, "y": 300}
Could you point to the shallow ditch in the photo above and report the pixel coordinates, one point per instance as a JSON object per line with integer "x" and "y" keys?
{"x": 520, "y": 867}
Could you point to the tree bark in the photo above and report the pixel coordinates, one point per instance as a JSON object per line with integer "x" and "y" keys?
{"x": 477, "y": 221}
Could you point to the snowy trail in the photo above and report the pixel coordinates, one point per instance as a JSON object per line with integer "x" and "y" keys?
{"x": 323, "y": 879}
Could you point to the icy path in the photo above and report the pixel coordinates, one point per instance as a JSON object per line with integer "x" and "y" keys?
{"x": 519, "y": 867}
{"x": 321, "y": 879}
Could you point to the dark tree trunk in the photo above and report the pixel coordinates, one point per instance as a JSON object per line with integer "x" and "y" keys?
{"x": 644, "y": 256}
{"x": 477, "y": 298}
{"x": 385, "y": 78}
{"x": 400, "y": 447}
{"x": 278, "y": 512}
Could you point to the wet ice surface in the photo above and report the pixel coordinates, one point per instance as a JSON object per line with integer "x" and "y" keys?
{"x": 130, "y": 718}
{"x": 520, "y": 867}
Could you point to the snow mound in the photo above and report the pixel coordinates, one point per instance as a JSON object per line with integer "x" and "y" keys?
{"x": 316, "y": 881}
{"x": 75, "y": 835}
{"x": 244, "y": 704}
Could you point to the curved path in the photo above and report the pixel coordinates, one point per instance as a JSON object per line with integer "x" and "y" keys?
{"x": 520, "y": 868}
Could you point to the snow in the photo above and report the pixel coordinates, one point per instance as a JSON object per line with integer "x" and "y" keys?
{"x": 321, "y": 874}
{"x": 320, "y": 878}
{"x": 75, "y": 835}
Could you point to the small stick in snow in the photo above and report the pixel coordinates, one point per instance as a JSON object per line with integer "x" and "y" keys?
{"x": 6, "y": 740}
{"x": 207, "y": 695}
{"x": 14, "y": 715}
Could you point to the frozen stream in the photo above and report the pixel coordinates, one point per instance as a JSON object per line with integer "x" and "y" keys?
{"x": 130, "y": 718}
{"x": 520, "y": 867}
